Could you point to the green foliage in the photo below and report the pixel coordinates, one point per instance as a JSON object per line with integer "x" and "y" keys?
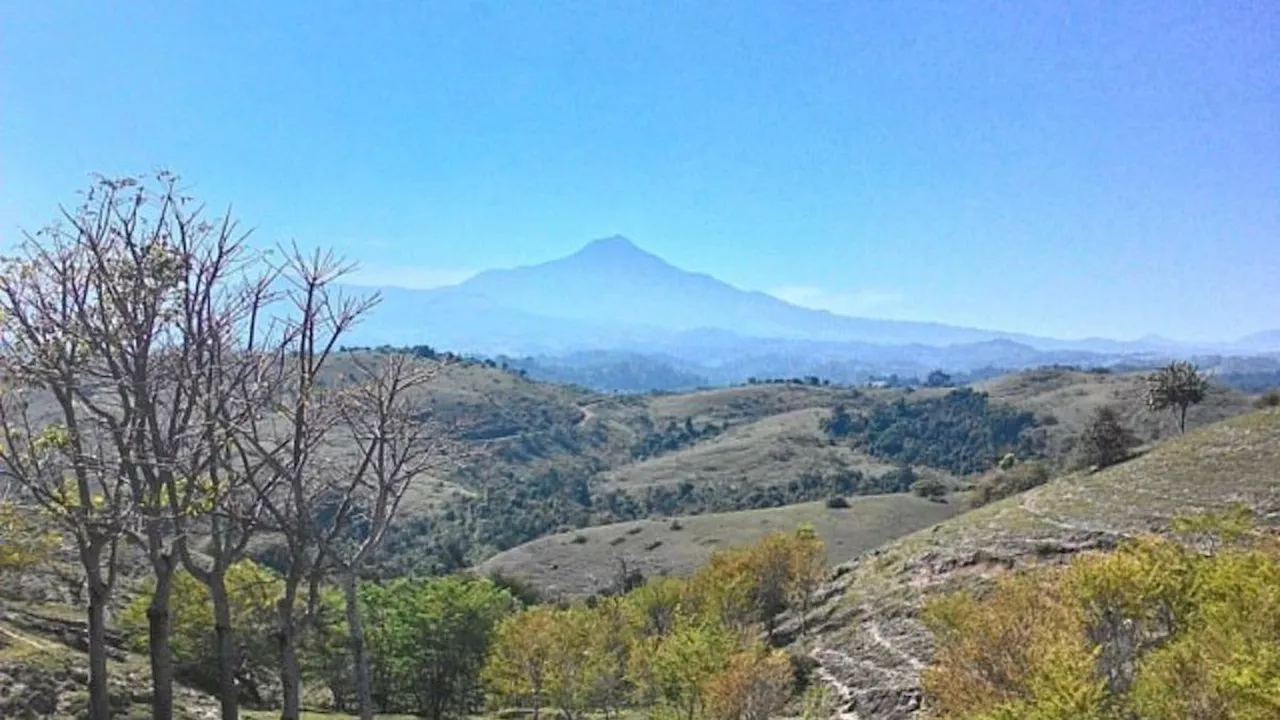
{"x": 1268, "y": 399}
{"x": 671, "y": 673}
{"x": 252, "y": 591}
{"x": 1156, "y": 629}
{"x": 1004, "y": 482}
{"x": 1176, "y": 387}
{"x": 673, "y": 437}
{"x": 751, "y": 586}
{"x": 1104, "y": 441}
{"x": 689, "y": 498}
{"x": 929, "y": 487}
{"x": 25, "y": 541}
{"x": 839, "y": 424}
{"x": 937, "y": 379}
{"x": 428, "y": 640}
{"x": 961, "y": 432}
{"x": 681, "y": 649}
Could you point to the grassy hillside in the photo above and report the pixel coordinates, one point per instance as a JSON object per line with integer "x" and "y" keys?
{"x": 1064, "y": 399}
{"x": 777, "y": 447}
{"x": 869, "y": 644}
{"x": 587, "y": 561}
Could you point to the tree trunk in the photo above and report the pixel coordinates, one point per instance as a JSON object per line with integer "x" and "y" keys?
{"x": 290, "y": 672}
{"x": 158, "y": 627}
{"x": 99, "y": 704}
{"x": 228, "y": 655}
{"x": 359, "y": 658}
{"x": 1182, "y": 420}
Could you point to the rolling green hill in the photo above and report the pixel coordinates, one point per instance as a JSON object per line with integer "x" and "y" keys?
{"x": 869, "y": 645}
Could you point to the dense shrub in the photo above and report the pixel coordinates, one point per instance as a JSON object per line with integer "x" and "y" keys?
{"x": 929, "y": 487}
{"x": 1268, "y": 399}
{"x": 961, "y": 431}
{"x": 1002, "y": 483}
{"x": 1104, "y": 441}
{"x": 1157, "y": 629}
{"x": 837, "y": 502}
{"x": 667, "y": 648}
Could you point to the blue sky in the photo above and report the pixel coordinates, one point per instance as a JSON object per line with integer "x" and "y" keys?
{"x": 1071, "y": 169}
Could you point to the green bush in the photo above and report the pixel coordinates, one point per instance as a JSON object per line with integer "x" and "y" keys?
{"x": 999, "y": 484}
{"x": 929, "y": 487}
{"x": 1268, "y": 399}
{"x": 1104, "y": 441}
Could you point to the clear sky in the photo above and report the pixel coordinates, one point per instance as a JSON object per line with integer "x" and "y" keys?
{"x": 1071, "y": 169}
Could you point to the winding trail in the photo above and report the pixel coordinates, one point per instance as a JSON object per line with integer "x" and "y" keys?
{"x": 1028, "y": 506}
{"x": 873, "y": 631}
{"x": 845, "y": 693}
{"x": 33, "y": 642}
{"x": 588, "y": 413}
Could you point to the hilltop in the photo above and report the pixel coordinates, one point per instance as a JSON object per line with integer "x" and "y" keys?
{"x": 870, "y": 646}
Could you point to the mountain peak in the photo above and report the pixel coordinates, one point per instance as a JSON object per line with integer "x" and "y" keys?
{"x": 612, "y": 245}
{"x": 615, "y": 251}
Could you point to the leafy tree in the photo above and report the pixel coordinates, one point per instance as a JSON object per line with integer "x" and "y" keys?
{"x": 937, "y": 379}
{"x": 428, "y": 640}
{"x": 1105, "y": 441}
{"x": 672, "y": 672}
{"x": 1158, "y": 628}
{"x": 520, "y": 664}
{"x": 755, "y": 584}
{"x": 840, "y": 424}
{"x": 962, "y": 432}
{"x": 1176, "y": 387}
{"x": 929, "y": 487}
{"x": 252, "y": 591}
{"x": 1268, "y": 399}
{"x": 755, "y": 685}
{"x": 808, "y": 567}
{"x": 658, "y": 605}
{"x": 25, "y": 541}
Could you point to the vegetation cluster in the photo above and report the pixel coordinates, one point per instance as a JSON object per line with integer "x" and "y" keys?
{"x": 1164, "y": 627}
{"x": 962, "y": 431}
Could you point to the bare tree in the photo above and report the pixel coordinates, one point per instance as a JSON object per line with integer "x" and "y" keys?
{"x": 294, "y": 441}
{"x": 120, "y": 313}
{"x": 392, "y": 448}
{"x": 233, "y": 515}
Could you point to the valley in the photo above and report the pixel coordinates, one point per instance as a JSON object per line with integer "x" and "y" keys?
{"x": 543, "y": 459}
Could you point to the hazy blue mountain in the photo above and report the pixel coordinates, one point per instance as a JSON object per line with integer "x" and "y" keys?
{"x": 610, "y": 285}
{"x": 625, "y": 317}
{"x": 1265, "y": 341}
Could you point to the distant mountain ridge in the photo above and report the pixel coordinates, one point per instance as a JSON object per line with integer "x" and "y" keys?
{"x": 613, "y": 296}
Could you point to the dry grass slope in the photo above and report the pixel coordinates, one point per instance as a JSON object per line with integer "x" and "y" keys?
{"x": 584, "y": 562}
